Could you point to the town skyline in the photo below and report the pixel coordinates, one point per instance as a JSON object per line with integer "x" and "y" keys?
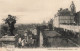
{"x": 33, "y": 11}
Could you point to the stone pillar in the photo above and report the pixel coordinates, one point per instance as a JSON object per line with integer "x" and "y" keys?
{"x": 41, "y": 40}
{"x": 38, "y": 34}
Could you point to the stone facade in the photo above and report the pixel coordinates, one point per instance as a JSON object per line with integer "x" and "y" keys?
{"x": 65, "y": 16}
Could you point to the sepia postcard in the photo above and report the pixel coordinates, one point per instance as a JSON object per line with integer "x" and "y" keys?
{"x": 39, "y": 25}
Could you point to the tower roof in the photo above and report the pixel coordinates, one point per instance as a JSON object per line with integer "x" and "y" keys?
{"x": 72, "y": 7}
{"x": 72, "y": 2}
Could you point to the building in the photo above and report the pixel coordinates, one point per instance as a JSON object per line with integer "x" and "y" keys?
{"x": 65, "y": 16}
{"x": 56, "y": 21}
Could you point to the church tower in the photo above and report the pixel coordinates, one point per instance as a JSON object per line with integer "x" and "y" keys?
{"x": 73, "y": 8}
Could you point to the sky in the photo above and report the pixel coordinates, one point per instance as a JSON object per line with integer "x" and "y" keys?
{"x": 33, "y": 11}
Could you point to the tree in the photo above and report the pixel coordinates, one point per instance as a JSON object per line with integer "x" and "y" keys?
{"x": 11, "y": 20}
{"x": 76, "y": 18}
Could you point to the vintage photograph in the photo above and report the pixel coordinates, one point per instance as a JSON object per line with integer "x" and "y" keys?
{"x": 39, "y": 23}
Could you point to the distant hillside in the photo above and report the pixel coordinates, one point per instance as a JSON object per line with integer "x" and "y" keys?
{"x": 19, "y": 27}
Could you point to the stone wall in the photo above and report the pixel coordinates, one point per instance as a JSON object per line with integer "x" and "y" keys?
{"x": 71, "y": 27}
